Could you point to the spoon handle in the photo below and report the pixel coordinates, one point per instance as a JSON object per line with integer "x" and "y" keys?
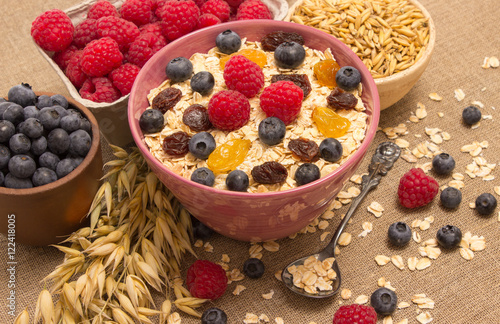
{"x": 382, "y": 161}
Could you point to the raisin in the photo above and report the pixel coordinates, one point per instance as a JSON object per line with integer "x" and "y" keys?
{"x": 166, "y": 99}
{"x": 339, "y": 99}
{"x": 269, "y": 173}
{"x": 272, "y": 40}
{"x": 304, "y": 149}
{"x": 300, "y": 80}
{"x": 196, "y": 117}
{"x": 176, "y": 144}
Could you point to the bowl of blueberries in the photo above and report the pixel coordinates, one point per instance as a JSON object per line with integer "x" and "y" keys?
{"x": 258, "y": 199}
{"x": 50, "y": 165}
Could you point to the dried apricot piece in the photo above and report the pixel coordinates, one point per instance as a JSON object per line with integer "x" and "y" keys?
{"x": 228, "y": 156}
{"x": 325, "y": 72}
{"x": 254, "y": 55}
{"x": 330, "y": 123}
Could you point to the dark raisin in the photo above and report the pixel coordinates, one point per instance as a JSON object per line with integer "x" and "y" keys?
{"x": 196, "y": 117}
{"x": 304, "y": 149}
{"x": 269, "y": 173}
{"x": 176, "y": 144}
{"x": 300, "y": 80}
{"x": 272, "y": 40}
{"x": 339, "y": 99}
{"x": 166, "y": 99}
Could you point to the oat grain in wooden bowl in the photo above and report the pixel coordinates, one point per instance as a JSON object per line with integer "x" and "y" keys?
{"x": 394, "y": 38}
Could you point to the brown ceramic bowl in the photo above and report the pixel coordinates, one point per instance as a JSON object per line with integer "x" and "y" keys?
{"x": 45, "y": 215}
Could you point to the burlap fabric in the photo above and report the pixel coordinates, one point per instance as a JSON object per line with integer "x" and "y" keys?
{"x": 463, "y": 291}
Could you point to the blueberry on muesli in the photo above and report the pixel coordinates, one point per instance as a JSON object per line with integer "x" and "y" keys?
{"x": 179, "y": 69}
{"x": 228, "y": 42}
{"x": 307, "y": 172}
{"x": 151, "y": 121}
{"x": 272, "y": 130}
{"x": 203, "y": 176}
{"x": 330, "y": 149}
{"x": 289, "y": 55}
{"x": 237, "y": 180}
{"x": 201, "y": 145}
{"x": 202, "y": 82}
{"x": 348, "y": 78}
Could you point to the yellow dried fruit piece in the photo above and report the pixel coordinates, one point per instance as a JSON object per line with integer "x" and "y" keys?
{"x": 325, "y": 72}
{"x": 229, "y": 155}
{"x": 330, "y": 123}
{"x": 256, "y": 56}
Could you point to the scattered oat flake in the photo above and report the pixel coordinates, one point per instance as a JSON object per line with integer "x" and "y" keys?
{"x": 440, "y": 114}
{"x": 345, "y": 239}
{"x": 434, "y": 96}
{"x": 387, "y": 320}
{"x": 423, "y": 264}
{"x": 269, "y": 295}
{"x": 382, "y": 260}
{"x": 225, "y": 258}
{"x": 198, "y": 243}
{"x": 174, "y": 318}
{"x": 424, "y": 318}
{"x": 421, "y": 112}
{"x": 403, "y": 304}
{"x": 271, "y": 246}
{"x": 459, "y": 94}
{"x": 323, "y": 236}
{"x": 279, "y": 320}
{"x": 251, "y": 318}
{"x": 345, "y": 293}
{"x": 467, "y": 254}
{"x": 361, "y": 299}
{"x": 277, "y": 274}
{"x": 263, "y": 317}
{"x": 238, "y": 289}
{"x": 403, "y": 321}
{"x": 208, "y": 247}
{"x": 397, "y": 260}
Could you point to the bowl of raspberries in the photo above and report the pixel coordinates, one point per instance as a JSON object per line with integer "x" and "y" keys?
{"x": 50, "y": 165}
{"x": 98, "y": 47}
{"x": 254, "y": 126}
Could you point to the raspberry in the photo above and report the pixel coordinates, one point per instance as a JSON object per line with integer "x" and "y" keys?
{"x": 253, "y": 9}
{"x": 416, "y": 188}
{"x": 122, "y": 31}
{"x": 228, "y": 110}
{"x": 206, "y": 20}
{"x": 102, "y": 9}
{"x": 62, "y": 58}
{"x": 206, "y": 280}
{"x": 123, "y": 77}
{"x": 85, "y": 32}
{"x": 154, "y": 28}
{"x": 74, "y": 70}
{"x": 243, "y": 75}
{"x": 99, "y": 89}
{"x": 282, "y": 99}
{"x": 143, "y": 47}
{"x": 100, "y": 57}
{"x": 218, "y": 8}
{"x": 137, "y": 11}
{"x": 355, "y": 314}
{"x": 199, "y": 3}
{"x": 234, "y": 3}
{"x": 179, "y": 17}
{"x": 52, "y": 30}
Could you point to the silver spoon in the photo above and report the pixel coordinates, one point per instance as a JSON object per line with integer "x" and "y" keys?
{"x": 382, "y": 161}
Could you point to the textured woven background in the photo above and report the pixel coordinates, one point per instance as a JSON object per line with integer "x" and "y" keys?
{"x": 463, "y": 291}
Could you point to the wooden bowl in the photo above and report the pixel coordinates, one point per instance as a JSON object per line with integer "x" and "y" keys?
{"x": 45, "y": 215}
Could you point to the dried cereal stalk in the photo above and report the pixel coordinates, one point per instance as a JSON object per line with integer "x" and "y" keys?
{"x": 137, "y": 237}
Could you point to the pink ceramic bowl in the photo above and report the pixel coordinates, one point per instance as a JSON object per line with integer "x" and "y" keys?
{"x": 252, "y": 216}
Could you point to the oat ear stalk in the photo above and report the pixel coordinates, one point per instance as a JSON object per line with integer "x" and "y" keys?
{"x": 135, "y": 243}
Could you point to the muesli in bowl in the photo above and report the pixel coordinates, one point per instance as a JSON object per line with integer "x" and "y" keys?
{"x": 251, "y": 216}
{"x": 320, "y": 122}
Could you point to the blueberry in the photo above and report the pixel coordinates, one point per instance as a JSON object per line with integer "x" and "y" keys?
{"x": 4, "y": 105}
{"x": 85, "y": 125}
{"x": 289, "y": 55}
{"x": 39, "y": 146}
{"x": 228, "y": 42}
{"x": 50, "y": 118}
{"x": 7, "y": 129}
{"x": 43, "y": 176}
{"x": 13, "y": 182}
{"x": 330, "y": 149}
{"x": 30, "y": 112}
{"x": 80, "y": 143}
{"x": 214, "y": 315}
{"x": 203, "y": 176}
{"x": 31, "y": 127}
{"x": 253, "y": 268}
{"x": 237, "y": 180}
{"x": 14, "y": 113}
{"x": 62, "y": 112}
{"x": 48, "y": 160}
{"x": 44, "y": 101}
{"x": 200, "y": 230}
{"x": 70, "y": 123}
{"x": 179, "y": 69}
{"x": 58, "y": 141}
{"x": 22, "y": 95}
{"x": 202, "y": 82}
{"x": 151, "y": 121}
{"x": 449, "y": 236}
{"x": 443, "y": 164}
{"x": 64, "y": 167}
{"x": 60, "y": 100}
{"x": 451, "y": 197}
{"x": 384, "y": 301}
{"x": 348, "y": 78}
{"x": 306, "y": 173}
{"x": 2, "y": 178}
{"x": 272, "y": 130}
{"x": 22, "y": 166}
{"x": 201, "y": 145}
{"x": 19, "y": 144}
{"x": 486, "y": 204}
{"x": 4, "y": 156}
{"x": 399, "y": 233}
{"x": 471, "y": 115}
